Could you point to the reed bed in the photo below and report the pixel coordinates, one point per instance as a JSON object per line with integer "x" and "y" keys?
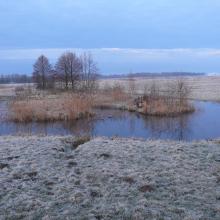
{"x": 61, "y": 108}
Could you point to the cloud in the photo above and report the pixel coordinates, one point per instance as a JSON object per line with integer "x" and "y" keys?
{"x": 98, "y": 23}
{"x": 121, "y": 60}
{"x": 53, "y": 53}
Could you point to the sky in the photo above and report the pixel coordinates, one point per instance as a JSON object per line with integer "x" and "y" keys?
{"x": 123, "y": 35}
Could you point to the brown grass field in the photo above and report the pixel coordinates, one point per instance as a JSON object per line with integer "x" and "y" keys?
{"x": 113, "y": 93}
{"x": 206, "y": 88}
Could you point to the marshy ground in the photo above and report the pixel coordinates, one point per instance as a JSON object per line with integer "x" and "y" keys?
{"x": 111, "y": 178}
{"x": 52, "y": 178}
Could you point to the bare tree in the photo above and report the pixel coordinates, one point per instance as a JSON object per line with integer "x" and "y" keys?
{"x": 89, "y": 72}
{"x": 131, "y": 84}
{"x": 62, "y": 69}
{"x": 182, "y": 91}
{"x": 75, "y": 69}
{"x": 154, "y": 91}
{"x": 69, "y": 67}
{"x": 42, "y": 68}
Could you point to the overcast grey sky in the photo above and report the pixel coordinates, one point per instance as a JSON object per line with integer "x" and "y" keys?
{"x": 123, "y": 35}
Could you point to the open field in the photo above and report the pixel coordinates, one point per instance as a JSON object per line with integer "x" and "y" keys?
{"x": 49, "y": 178}
{"x": 205, "y": 88}
{"x": 9, "y": 90}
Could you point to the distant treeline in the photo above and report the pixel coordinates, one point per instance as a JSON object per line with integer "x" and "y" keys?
{"x": 15, "y": 78}
{"x": 23, "y": 78}
{"x": 168, "y": 74}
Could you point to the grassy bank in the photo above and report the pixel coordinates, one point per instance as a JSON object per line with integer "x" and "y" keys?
{"x": 50, "y": 178}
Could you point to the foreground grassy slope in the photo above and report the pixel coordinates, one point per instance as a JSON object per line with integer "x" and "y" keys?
{"x": 48, "y": 178}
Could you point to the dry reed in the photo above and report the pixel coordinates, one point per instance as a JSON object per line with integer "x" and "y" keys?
{"x": 164, "y": 107}
{"x": 64, "y": 107}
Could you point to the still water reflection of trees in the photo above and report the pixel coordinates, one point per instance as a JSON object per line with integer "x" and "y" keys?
{"x": 136, "y": 125}
{"x": 82, "y": 127}
{"x": 106, "y": 123}
{"x": 177, "y": 128}
{"x": 174, "y": 128}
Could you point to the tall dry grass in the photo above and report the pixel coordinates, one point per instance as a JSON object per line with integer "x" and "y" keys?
{"x": 111, "y": 95}
{"x": 118, "y": 93}
{"x": 162, "y": 107}
{"x": 173, "y": 101}
{"x": 63, "y": 107}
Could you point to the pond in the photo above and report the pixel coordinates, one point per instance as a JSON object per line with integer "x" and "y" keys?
{"x": 202, "y": 124}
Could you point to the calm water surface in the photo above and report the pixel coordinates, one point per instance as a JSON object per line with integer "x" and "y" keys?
{"x": 203, "y": 124}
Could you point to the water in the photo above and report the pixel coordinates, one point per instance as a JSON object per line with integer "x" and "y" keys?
{"x": 203, "y": 124}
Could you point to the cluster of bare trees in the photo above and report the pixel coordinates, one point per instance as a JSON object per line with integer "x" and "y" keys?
{"x": 170, "y": 100}
{"x": 70, "y": 72}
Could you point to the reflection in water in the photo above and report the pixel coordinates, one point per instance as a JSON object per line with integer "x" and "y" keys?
{"x": 203, "y": 124}
{"x": 176, "y": 127}
{"x": 81, "y": 127}
{"x": 78, "y": 128}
